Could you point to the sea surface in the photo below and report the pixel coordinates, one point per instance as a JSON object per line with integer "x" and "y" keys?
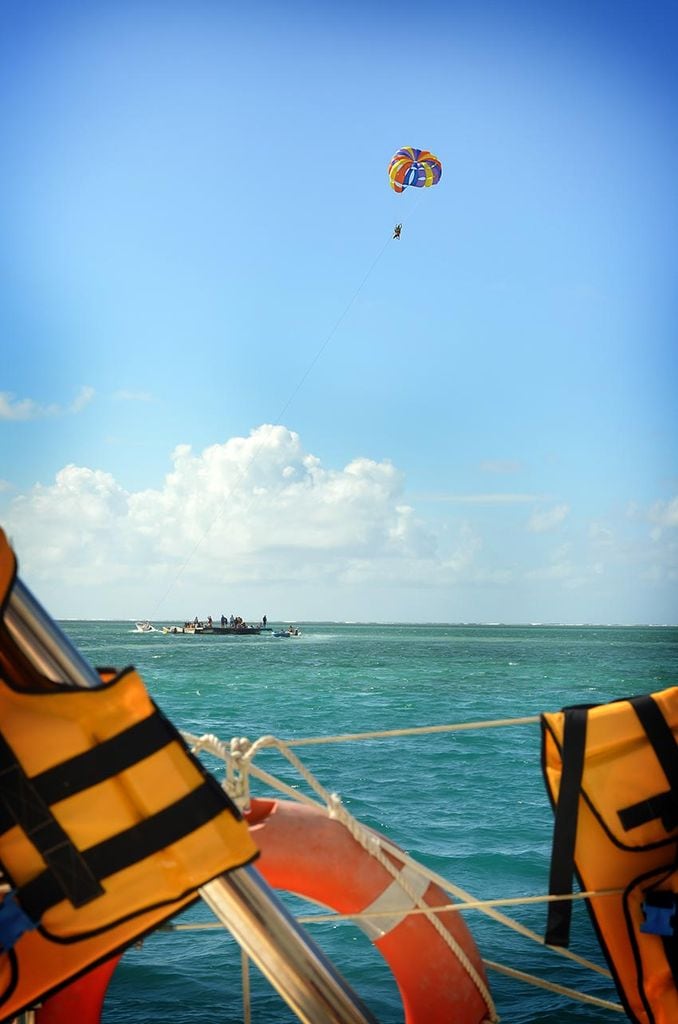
{"x": 471, "y": 805}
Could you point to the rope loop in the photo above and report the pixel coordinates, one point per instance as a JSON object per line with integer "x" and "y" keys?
{"x": 239, "y": 747}
{"x": 237, "y": 781}
{"x": 238, "y": 757}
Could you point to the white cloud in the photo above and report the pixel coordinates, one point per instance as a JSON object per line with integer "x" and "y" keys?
{"x": 665, "y": 515}
{"x": 601, "y": 535}
{"x": 261, "y": 522}
{"x": 12, "y": 408}
{"x": 421, "y": 565}
{"x": 252, "y": 509}
{"x": 543, "y": 520}
{"x": 83, "y": 398}
{"x": 68, "y": 524}
{"x": 564, "y": 569}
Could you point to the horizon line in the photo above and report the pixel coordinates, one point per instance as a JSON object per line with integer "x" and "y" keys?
{"x": 411, "y": 622}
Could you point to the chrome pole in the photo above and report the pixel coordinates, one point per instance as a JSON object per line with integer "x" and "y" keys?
{"x": 241, "y": 899}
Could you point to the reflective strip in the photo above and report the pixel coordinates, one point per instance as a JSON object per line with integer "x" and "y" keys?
{"x": 393, "y": 899}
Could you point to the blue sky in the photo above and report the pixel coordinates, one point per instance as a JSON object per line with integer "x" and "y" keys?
{"x": 225, "y": 388}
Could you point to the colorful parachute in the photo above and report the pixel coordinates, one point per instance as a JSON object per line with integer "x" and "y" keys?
{"x": 412, "y": 167}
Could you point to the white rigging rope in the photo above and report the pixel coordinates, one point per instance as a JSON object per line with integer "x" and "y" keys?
{"x": 247, "y": 463}
{"x": 238, "y": 757}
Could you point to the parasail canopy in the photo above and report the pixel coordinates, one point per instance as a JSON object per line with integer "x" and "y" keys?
{"x": 411, "y": 167}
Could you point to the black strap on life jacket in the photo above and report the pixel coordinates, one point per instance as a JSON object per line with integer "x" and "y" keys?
{"x": 107, "y": 759}
{"x": 74, "y": 874}
{"x": 142, "y": 840}
{"x": 25, "y": 807}
{"x": 565, "y": 826}
{"x": 671, "y": 953}
{"x": 662, "y": 805}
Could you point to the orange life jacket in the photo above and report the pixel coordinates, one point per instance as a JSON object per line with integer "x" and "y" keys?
{"x": 108, "y": 824}
{"x": 611, "y": 772}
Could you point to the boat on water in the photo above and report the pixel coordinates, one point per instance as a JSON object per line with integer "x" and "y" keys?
{"x": 235, "y": 626}
{"x": 609, "y": 769}
{"x": 202, "y": 629}
{"x": 144, "y": 626}
{"x": 290, "y": 631}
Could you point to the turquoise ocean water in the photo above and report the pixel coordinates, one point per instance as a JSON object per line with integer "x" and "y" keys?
{"x": 470, "y": 805}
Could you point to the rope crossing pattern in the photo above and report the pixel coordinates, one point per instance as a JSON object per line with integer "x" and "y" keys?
{"x": 238, "y": 757}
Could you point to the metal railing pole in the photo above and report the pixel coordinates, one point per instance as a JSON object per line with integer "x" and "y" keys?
{"x": 241, "y": 899}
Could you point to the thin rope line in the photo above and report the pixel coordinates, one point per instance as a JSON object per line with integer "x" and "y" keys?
{"x": 255, "y": 453}
{"x": 506, "y": 901}
{"x": 368, "y": 915}
{"x": 551, "y": 986}
{"x": 492, "y": 965}
{"x": 241, "y": 756}
{"x": 372, "y": 844}
{"x": 246, "y": 991}
{"x": 334, "y": 330}
{"x": 419, "y": 730}
{"x": 496, "y": 915}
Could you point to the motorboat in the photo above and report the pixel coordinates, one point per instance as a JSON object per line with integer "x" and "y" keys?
{"x": 145, "y": 626}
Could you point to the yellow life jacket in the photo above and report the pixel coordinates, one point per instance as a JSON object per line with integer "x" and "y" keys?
{"x": 611, "y": 772}
{"x": 108, "y": 824}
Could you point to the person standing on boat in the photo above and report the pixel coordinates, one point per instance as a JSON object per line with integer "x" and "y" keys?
{"x": 264, "y": 620}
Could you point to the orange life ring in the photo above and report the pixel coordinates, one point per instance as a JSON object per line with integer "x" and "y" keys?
{"x": 306, "y": 852}
{"x": 82, "y": 999}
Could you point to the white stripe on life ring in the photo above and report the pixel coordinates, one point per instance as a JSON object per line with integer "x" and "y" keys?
{"x": 395, "y": 900}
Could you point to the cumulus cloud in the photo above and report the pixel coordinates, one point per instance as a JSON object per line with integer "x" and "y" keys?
{"x": 261, "y": 519}
{"x": 543, "y": 520}
{"x": 67, "y": 523}
{"x": 13, "y": 408}
{"x": 252, "y": 509}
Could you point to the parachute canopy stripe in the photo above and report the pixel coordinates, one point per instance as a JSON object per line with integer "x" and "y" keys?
{"x": 416, "y": 168}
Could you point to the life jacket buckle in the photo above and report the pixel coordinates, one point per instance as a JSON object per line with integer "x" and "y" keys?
{"x": 661, "y": 913}
{"x": 14, "y": 921}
